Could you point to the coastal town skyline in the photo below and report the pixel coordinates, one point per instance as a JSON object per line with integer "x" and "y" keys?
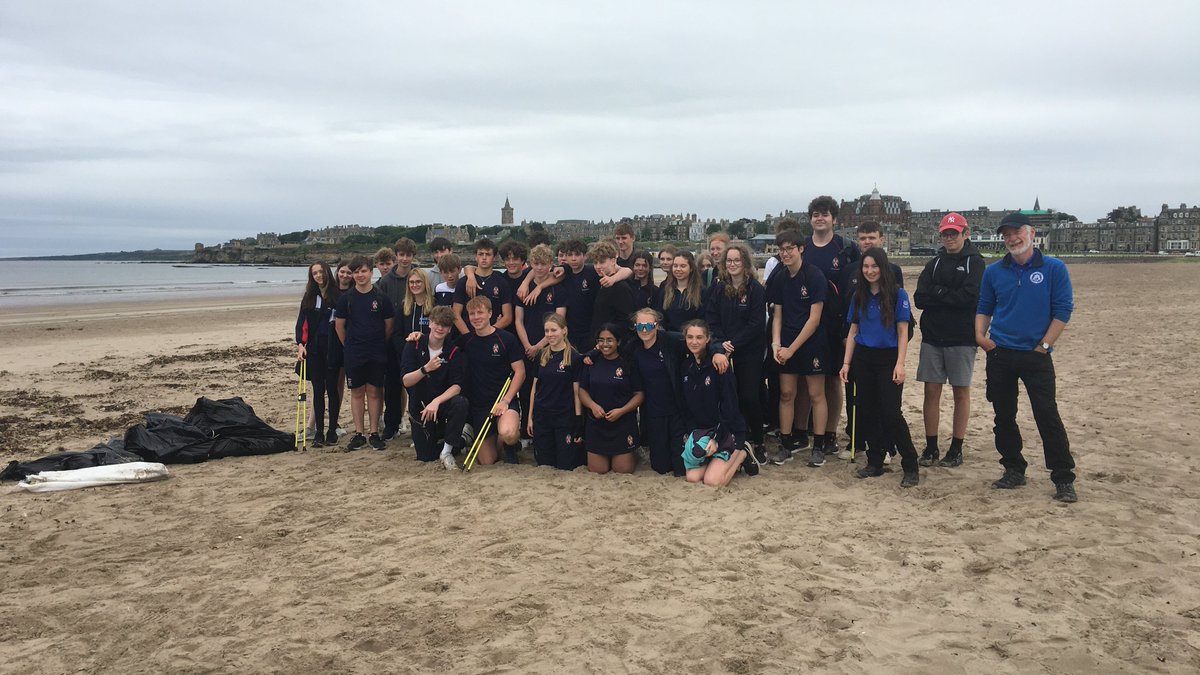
{"x": 143, "y": 125}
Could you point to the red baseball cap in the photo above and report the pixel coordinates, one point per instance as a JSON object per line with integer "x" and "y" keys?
{"x": 953, "y": 221}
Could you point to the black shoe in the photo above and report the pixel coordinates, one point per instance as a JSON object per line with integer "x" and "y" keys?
{"x": 801, "y": 440}
{"x": 869, "y": 471}
{"x": 911, "y": 479}
{"x": 751, "y": 464}
{"x": 929, "y": 457}
{"x": 331, "y": 437}
{"x": 317, "y": 440}
{"x": 377, "y": 442}
{"x": 951, "y": 459}
{"x": 1010, "y": 480}
{"x": 760, "y": 454}
{"x": 390, "y": 432}
{"x": 1065, "y": 492}
{"x": 356, "y": 443}
{"x": 510, "y": 455}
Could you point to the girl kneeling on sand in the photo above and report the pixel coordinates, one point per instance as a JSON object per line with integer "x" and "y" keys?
{"x": 554, "y": 400}
{"x": 710, "y": 402}
{"x": 610, "y": 390}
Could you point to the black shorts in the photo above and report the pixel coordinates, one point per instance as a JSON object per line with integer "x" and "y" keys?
{"x": 373, "y": 373}
{"x": 811, "y": 359}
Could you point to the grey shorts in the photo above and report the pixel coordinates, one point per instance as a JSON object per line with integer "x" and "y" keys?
{"x": 939, "y": 365}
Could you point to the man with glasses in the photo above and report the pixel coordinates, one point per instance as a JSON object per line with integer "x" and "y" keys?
{"x": 1025, "y": 302}
{"x": 948, "y": 294}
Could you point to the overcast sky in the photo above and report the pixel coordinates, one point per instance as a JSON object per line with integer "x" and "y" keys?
{"x": 130, "y": 125}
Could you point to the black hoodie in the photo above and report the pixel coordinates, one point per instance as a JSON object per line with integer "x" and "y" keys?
{"x": 948, "y": 294}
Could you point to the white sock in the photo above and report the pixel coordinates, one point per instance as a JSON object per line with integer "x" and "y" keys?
{"x": 447, "y": 450}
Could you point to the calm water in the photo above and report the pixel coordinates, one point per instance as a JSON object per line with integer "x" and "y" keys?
{"x": 36, "y": 283}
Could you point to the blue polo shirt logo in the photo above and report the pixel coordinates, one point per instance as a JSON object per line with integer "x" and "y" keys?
{"x": 1037, "y": 277}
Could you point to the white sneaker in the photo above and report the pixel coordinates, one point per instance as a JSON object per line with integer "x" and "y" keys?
{"x": 887, "y": 458}
{"x": 844, "y": 453}
{"x": 448, "y": 462}
{"x": 404, "y": 426}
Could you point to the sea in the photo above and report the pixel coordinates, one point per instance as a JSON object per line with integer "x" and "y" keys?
{"x": 36, "y": 283}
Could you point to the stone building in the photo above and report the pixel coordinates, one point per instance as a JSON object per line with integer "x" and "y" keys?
{"x": 883, "y": 209}
{"x": 1178, "y": 229}
{"x": 336, "y": 234}
{"x": 506, "y": 213}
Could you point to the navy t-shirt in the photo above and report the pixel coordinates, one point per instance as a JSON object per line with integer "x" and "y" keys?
{"x": 534, "y": 315}
{"x": 581, "y": 290}
{"x": 796, "y": 295}
{"x": 871, "y": 331}
{"x": 660, "y": 391}
{"x": 825, "y": 258}
{"x": 555, "y": 395}
{"x": 610, "y": 382}
{"x": 489, "y": 363}
{"x": 494, "y": 287}
{"x": 366, "y": 334}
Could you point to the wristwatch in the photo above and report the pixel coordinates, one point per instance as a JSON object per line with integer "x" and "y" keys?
{"x": 423, "y": 371}
{"x": 1046, "y": 346}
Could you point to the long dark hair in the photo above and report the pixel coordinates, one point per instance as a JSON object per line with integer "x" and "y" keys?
{"x": 695, "y": 286}
{"x": 887, "y": 288}
{"x": 651, "y": 263}
{"x": 328, "y": 295}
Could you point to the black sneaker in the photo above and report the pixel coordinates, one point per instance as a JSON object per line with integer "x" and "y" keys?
{"x": 389, "y": 433}
{"x": 952, "y": 459}
{"x": 331, "y": 437}
{"x": 356, "y": 443}
{"x": 817, "y": 458}
{"x": 751, "y": 464}
{"x": 869, "y": 471}
{"x": 1065, "y": 492}
{"x": 1010, "y": 480}
{"x": 911, "y": 479}
{"x": 510, "y": 455}
{"x": 929, "y": 457}
{"x": 377, "y": 442}
{"x": 801, "y": 439}
{"x": 760, "y": 454}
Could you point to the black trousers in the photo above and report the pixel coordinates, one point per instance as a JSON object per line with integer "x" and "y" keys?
{"x": 553, "y": 442}
{"x": 324, "y": 384}
{"x": 748, "y": 374}
{"x": 879, "y": 406}
{"x": 855, "y": 422}
{"x": 1005, "y": 368}
{"x": 448, "y": 428}
{"x": 664, "y": 437}
{"x": 393, "y": 392}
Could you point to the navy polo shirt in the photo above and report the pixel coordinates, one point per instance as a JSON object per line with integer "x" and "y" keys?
{"x": 494, "y": 287}
{"x": 555, "y": 395}
{"x": 796, "y": 294}
{"x": 581, "y": 288}
{"x": 534, "y": 315}
{"x": 489, "y": 363}
{"x": 366, "y": 332}
{"x": 611, "y": 382}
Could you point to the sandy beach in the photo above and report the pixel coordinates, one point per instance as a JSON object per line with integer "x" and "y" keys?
{"x": 372, "y": 562}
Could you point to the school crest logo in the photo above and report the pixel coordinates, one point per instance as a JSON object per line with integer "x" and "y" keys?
{"x": 568, "y": 438}
{"x": 584, "y": 285}
{"x": 1037, "y": 277}
{"x": 708, "y": 380}
{"x": 804, "y": 291}
{"x": 629, "y": 440}
{"x": 562, "y": 367}
{"x": 374, "y": 305}
{"x": 496, "y": 292}
{"x": 742, "y": 300}
{"x": 816, "y": 363}
{"x": 837, "y": 263}
{"x": 550, "y": 297}
{"x": 495, "y": 350}
{"x": 620, "y": 372}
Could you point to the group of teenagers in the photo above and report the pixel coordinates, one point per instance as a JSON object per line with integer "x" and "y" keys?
{"x": 579, "y": 353}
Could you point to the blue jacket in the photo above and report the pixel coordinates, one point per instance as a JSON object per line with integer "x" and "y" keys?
{"x": 1023, "y": 299}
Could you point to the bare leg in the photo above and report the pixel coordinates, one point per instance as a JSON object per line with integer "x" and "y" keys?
{"x": 696, "y": 475}
{"x": 718, "y": 473}
{"x": 374, "y": 406}
{"x": 816, "y": 394}
{"x": 487, "y": 450}
{"x": 787, "y": 401}
{"x": 508, "y": 427}
{"x": 358, "y": 404}
{"x": 833, "y": 403}
{"x": 962, "y": 410}
{"x": 598, "y": 463}
{"x": 932, "y": 407}
{"x": 624, "y": 463}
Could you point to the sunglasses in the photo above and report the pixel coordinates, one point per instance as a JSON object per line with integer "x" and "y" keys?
{"x": 644, "y": 327}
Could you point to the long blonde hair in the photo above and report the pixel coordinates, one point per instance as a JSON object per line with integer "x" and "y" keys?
{"x": 545, "y": 353}
{"x": 410, "y": 300}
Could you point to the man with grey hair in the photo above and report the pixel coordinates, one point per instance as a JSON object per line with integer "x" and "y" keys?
{"x": 1025, "y": 302}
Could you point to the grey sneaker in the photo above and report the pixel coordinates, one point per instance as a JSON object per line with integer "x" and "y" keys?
{"x": 1065, "y": 492}
{"x": 781, "y": 455}
{"x": 817, "y": 458}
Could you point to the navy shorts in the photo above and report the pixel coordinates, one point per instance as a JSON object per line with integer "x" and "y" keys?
{"x": 811, "y": 359}
{"x": 373, "y": 373}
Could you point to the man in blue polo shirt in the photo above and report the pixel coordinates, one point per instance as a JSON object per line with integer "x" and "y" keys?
{"x": 1025, "y": 300}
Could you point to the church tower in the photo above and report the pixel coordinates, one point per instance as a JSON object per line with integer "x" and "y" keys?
{"x": 506, "y": 213}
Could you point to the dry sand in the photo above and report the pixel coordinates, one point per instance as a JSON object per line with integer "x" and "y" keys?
{"x": 372, "y": 562}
